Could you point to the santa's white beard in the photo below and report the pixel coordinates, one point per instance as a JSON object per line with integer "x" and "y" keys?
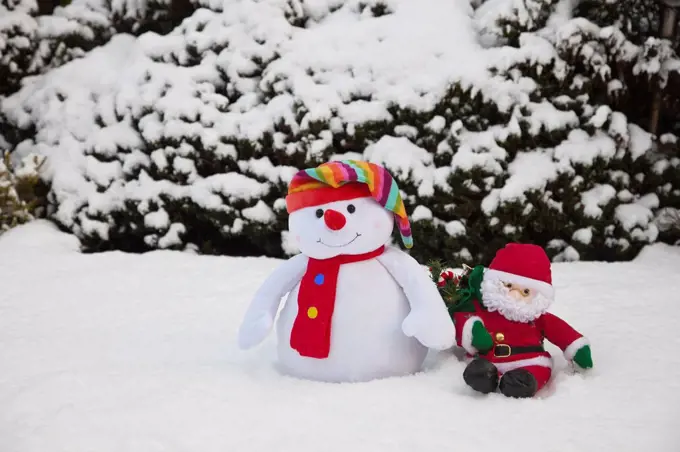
{"x": 496, "y": 297}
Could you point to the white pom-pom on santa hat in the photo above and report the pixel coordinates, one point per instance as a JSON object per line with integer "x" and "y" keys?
{"x": 523, "y": 264}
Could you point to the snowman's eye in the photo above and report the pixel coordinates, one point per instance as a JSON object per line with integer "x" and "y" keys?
{"x": 319, "y": 213}
{"x": 351, "y": 208}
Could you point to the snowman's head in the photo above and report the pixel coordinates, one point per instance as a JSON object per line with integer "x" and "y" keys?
{"x": 345, "y": 207}
{"x": 353, "y": 226}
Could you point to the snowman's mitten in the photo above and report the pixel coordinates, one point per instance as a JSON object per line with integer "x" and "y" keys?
{"x": 432, "y": 329}
{"x": 253, "y": 330}
{"x": 583, "y": 357}
{"x": 481, "y": 339}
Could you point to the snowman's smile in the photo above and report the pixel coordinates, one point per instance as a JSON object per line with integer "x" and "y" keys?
{"x": 339, "y": 246}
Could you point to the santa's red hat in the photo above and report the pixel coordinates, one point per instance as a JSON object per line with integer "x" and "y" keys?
{"x": 523, "y": 264}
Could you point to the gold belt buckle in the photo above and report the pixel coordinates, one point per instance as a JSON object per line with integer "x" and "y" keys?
{"x": 505, "y": 346}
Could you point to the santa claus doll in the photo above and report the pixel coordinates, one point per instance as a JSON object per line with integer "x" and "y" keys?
{"x": 504, "y": 335}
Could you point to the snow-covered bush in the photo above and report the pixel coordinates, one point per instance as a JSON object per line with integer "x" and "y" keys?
{"x": 22, "y": 191}
{"x": 600, "y": 79}
{"x": 188, "y": 140}
{"x": 31, "y": 44}
{"x": 638, "y": 19}
{"x": 668, "y": 222}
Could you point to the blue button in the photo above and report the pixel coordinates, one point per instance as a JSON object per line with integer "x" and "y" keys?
{"x": 318, "y": 279}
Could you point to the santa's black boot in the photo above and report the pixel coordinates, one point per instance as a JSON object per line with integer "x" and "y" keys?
{"x": 518, "y": 383}
{"x": 481, "y": 375}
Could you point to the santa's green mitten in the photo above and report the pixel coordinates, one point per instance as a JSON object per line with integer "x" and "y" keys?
{"x": 481, "y": 339}
{"x": 582, "y": 357}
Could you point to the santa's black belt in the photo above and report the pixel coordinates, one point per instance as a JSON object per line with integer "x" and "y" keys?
{"x": 504, "y": 350}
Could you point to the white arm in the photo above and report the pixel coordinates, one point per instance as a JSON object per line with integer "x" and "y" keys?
{"x": 259, "y": 317}
{"x": 429, "y": 320}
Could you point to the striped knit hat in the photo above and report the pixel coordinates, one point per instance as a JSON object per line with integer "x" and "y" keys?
{"x": 348, "y": 179}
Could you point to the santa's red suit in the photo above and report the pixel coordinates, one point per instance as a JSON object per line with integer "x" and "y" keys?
{"x": 517, "y": 324}
{"x": 518, "y": 344}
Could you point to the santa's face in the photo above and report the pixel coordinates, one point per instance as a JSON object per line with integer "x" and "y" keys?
{"x": 353, "y": 227}
{"x": 514, "y": 301}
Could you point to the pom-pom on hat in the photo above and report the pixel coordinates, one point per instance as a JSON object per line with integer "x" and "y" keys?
{"x": 523, "y": 264}
{"x": 349, "y": 179}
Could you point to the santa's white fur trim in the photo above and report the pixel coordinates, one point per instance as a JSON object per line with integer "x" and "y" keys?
{"x": 466, "y": 335}
{"x": 496, "y": 297}
{"x": 497, "y": 275}
{"x": 574, "y": 347}
{"x": 543, "y": 361}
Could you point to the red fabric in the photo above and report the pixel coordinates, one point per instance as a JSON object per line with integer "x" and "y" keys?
{"x": 558, "y": 331}
{"x": 523, "y": 259}
{"x": 445, "y": 276}
{"x": 311, "y": 337}
{"x": 547, "y": 326}
{"x": 323, "y": 195}
{"x": 334, "y": 219}
{"x": 540, "y": 373}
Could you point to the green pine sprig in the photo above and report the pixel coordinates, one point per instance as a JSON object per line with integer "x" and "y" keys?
{"x": 460, "y": 291}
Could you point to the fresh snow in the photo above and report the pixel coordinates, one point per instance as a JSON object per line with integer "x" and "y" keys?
{"x": 641, "y": 141}
{"x": 136, "y": 353}
{"x": 421, "y": 213}
{"x": 404, "y": 159}
{"x": 530, "y": 171}
{"x": 583, "y": 148}
{"x": 455, "y": 228}
{"x": 583, "y": 235}
{"x": 260, "y": 213}
{"x": 631, "y": 215}
{"x": 595, "y": 198}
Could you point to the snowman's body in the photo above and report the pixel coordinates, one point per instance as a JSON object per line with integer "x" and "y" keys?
{"x": 383, "y": 310}
{"x": 367, "y": 340}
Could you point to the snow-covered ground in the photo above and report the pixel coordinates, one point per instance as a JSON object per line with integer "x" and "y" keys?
{"x": 136, "y": 353}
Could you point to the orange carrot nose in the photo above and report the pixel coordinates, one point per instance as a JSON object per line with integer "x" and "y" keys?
{"x": 334, "y": 219}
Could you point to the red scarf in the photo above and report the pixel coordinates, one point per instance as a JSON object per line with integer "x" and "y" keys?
{"x": 311, "y": 333}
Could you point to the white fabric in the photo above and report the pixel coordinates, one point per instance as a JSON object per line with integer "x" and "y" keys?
{"x": 574, "y": 347}
{"x": 259, "y": 317}
{"x": 429, "y": 320}
{"x": 466, "y": 334}
{"x": 367, "y": 341}
{"x": 543, "y": 361}
{"x": 495, "y": 297}
{"x": 497, "y": 275}
{"x": 368, "y": 228}
{"x": 387, "y": 313}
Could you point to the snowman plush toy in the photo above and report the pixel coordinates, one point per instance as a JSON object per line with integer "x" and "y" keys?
{"x": 357, "y": 308}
